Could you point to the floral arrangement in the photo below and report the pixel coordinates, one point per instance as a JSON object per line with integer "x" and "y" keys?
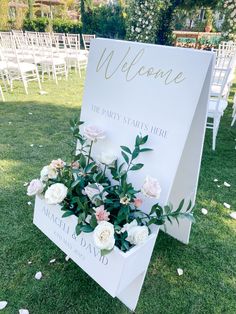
{"x": 110, "y": 208}
{"x": 142, "y": 24}
{"x": 229, "y": 24}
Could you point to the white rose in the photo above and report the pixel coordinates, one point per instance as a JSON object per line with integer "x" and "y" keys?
{"x": 56, "y": 193}
{"x": 107, "y": 158}
{"x": 35, "y": 187}
{"x": 129, "y": 226}
{"x": 48, "y": 172}
{"x": 93, "y": 191}
{"x": 103, "y": 236}
{"x": 94, "y": 133}
{"x": 137, "y": 235}
{"x": 151, "y": 188}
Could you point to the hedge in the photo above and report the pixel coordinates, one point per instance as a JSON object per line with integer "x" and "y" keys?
{"x": 58, "y": 25}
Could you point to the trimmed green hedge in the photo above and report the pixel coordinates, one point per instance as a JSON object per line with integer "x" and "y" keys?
{"x": 58, "y": 25}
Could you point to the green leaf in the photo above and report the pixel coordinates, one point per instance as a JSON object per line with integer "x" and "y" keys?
{"x": 89, "y": 167}
{"x": 126, "y": 149}
{"x": 138, "y": 140}
{"x": 82, "y": 161}
{"x": 86, "y": 228}
{"x": 78, "y": 230}
{"x": 144, "y": 139}
{"x": 126, "y": 158}
{"x": 181, "y": 204}
{"x": 93, "y": 222}
{"x": 105, "y": 252}
{"x": 142, "y": 150}
{"x": 189, "y": 206}
{"x": 135, "y": 153}
{"x": 67, "y": 214}
{"x": 136, "y": 167}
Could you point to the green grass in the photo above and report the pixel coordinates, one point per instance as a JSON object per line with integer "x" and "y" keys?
{"x": 209, "y": 261}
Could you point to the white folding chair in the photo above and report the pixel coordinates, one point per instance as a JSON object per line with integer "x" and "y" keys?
{"x": 217, "y": 103}
{"x": 19, "y": 70}
{"x": 74, "y": 57}
{"x": 87, "y": 40}
{"x": 52, "y": 62}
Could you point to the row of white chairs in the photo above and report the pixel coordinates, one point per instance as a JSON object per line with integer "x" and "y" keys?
{"x": 223, "y": 76}
{"x": 24, "y": 55}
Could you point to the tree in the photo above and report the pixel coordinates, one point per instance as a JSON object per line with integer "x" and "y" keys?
{"x": 166, "y": 16}
{"x": 30, "y": 5}
{"x": 4, "y": 14}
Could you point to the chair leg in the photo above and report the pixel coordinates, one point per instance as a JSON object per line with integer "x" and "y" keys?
{"x": 38, "y": 79}
{"x": 66, "y": 72}
{"x": 1, "y": 93}
{"x": 25, "y": 84}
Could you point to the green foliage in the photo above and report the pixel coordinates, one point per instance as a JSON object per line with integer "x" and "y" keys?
{"x": 58, "y": 25}
{"x": 104, "y": 21}
{"x": 3, "y": 15}
{"x": 141, "y": 24}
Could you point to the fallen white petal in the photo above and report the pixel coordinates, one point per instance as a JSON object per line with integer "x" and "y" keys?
{"x": 26, "y": 183}
{"x": 29, "y": 262}
{"x": 52, "y": 261}
{"x": 9, "y": 122}
{"x": 227, "y": 184}
{"x": 42, "y": 92}
{"x": 40, "y": 146}
{"x": 218, "y": 185}
{"x": 31, "y": 145}
{"x": 23, "y": 311}
{"x": 204, "y": 211}
{"x": 38, "y": 275}
{"x": 67, "y": 258}
{"x": 30, "y": 113}
{"x": 215, "y": 180}
{"x": 3, "y": 304}
{"x": 233, "y": 215}
{"x": 29, "y": 203}
{"x": 226, "y": 205}
{"x": 180, "y": 271}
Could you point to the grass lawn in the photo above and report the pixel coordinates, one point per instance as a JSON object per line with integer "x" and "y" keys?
{"x": 208, "y": 284}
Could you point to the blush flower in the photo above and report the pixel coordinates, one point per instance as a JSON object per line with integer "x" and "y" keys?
{"x": 35, "y": 187}
{"x": 58, "y": 164}
{"x": 138, "y": 202}
{"x": 151, "y": 188}
{"x": 101, "y": 214}
{"x": 94, "y": 133}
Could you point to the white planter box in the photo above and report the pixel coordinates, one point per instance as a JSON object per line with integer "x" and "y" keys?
{"x": 120, "y": 274}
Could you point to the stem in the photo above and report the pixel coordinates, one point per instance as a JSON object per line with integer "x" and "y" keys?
{"x": 90, "y": 150}
{"x": 104, "y": 171}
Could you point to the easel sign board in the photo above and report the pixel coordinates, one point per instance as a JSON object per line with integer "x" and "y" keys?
{"x": 159, "y": 91}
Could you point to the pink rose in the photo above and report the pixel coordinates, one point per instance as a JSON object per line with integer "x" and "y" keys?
{"x": 94, "y": 133}
{"x": 58, "y": 164}
{"x": 138, "y": 202}
{"x": 35, "y": 187}
{"x": 101, "y": 213}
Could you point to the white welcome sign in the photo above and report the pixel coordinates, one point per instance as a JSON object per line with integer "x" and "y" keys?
{"x": 134, "y": 88}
